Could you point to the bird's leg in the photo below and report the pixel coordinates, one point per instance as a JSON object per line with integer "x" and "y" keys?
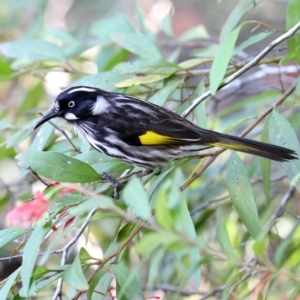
{"x": 116, "y": 184}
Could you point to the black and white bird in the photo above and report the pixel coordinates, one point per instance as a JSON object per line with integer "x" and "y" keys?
{"x": 141, "y": 133}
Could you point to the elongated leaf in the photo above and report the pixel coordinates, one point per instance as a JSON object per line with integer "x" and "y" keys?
{"x": 10, "y": 234}
{"x": 30, "y": 254}
{"x": 156, "y": 66}
{"x": 32, "y": 50}
{"x": 99, "y": 285}
{"x": 236, "y": 15}
{"x": 103, "y": 80}
{"x": 190, "y": 257}
{"x": 282, "y": 134}
{"x": 292, "y": 18}
{"x": 241, "y": 194}
{"x": 74, "y": 276}
{"x": 222, "y": 234}
{"x": 222, "y": 59}
{"x": 160, "y": 97}
{"x": 252, "y": 40}
{"x": 102, "y": 163}
{"x": 58, "y": 167}
{"x": 128, "y": 288}
{"x": 104, "y": 28}
{"x": 138, "y": 80}
{"x": 5, "y": 289}
{"x": 138, "y": 44}
{"x": 5, "y": 124}
{"x": 136, "y": 198}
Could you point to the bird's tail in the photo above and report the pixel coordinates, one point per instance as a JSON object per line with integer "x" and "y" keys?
{"x": 254, "y": 147}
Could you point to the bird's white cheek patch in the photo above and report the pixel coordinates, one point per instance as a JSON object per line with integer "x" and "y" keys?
{"x": 100, "y": 106}
{"x": 70, "y": 116}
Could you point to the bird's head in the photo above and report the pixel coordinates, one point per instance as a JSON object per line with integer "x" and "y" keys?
{"x": 76, "y": 103}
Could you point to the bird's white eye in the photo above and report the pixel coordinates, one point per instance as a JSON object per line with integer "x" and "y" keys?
{"x": 71, "y": 104}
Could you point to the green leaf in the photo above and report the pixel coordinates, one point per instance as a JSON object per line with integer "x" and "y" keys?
{"x": 136, "y": 198}
{"x": 253, "y": 39}
{"x": 102, "y": 163}
{"x": 237, "y": 14}
{"x": 195, "y": 33}
{"x": 128, "y": 288}
{"x": 282, "y": 134}
{"x": 33, "y": 97}
{"x": 222, "y": 59}
{"x": 241, "y": 194}
{"x": 138, "y": 80}
{"x": 4, "y": 124}
{"x": 5, "y": 69}
{"x": 138, "y": 44}
{"x": 32, "y": 50}
{"x": 108, "y": 58}
{"x": 10, "y": 281}
{"x": 74, "y": 276}
{"x": 160, "y": 97}
{"x": 189, "y": 255}
{"x": 104, "y": 28}
{"x": 188, "y": 64}
{"x": 58, "y": 167}
{"x": 155, "y": 66}
{"x": 152, "y": 241}
{"x": 103, "y": 80}
{"x": 9, "y": 234}
{"x": 292, "y": 18}
{"x": 30, "y": 254}
{"x": 163, "y": 213}
{"x": 200, "y": 111}
{"x": 100, "y": 283}
{"x": 222, "y": 234}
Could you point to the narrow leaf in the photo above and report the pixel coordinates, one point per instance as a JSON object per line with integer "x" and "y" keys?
{"x": 138, "y": 44}
{"x": 241, "y": 194}
{"x": 160, "y": 97}
{"x": 10, "y": 234}
{"x": 128, "y": 288}
{"x": 236, "y": 15}
{"x": 136, "y": 198}
{"x": 292, "y": 18}
{"x": 222, "y": 59}
{"x": 74, "y": 276}
{"x": 10, "y": 281}
{"x": 58, "y": 167}
{"x": 32, "y": 50}
{"x": 282, "y": 134}
{"x": 30, "y": 254}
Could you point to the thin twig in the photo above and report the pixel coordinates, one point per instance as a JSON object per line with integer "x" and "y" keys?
{"x": 280, "y": 210}
{"x": 211, "y": 159}
{"x": 112, "y": 255}
{"x": 245, "y": 68}
{"x": 65, "y": 249}
{"x": 63, "y": 133}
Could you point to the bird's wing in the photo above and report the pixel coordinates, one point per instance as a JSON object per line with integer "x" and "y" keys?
{"x": 152, "y": 125}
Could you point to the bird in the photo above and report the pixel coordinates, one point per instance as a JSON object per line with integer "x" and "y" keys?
{"x": 143, "y": 134}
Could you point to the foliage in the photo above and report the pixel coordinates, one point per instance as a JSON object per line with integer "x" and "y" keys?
{"x": 226, "y": 221}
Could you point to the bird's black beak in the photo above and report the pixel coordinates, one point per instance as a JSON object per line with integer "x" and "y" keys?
{"x": 48, "y": 116}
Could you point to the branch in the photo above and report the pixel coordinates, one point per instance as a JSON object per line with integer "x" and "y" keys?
{"x": 280, "y": 210}
{"x": 112, "y": 255}
{"x": 64, "y": 134}
{"x": 210, "y": 160}
{"x": 65, "y": 249}
{"x": 245, "y": 68}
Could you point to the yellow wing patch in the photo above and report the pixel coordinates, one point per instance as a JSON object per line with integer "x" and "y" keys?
{"x": 153, "y": 138}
